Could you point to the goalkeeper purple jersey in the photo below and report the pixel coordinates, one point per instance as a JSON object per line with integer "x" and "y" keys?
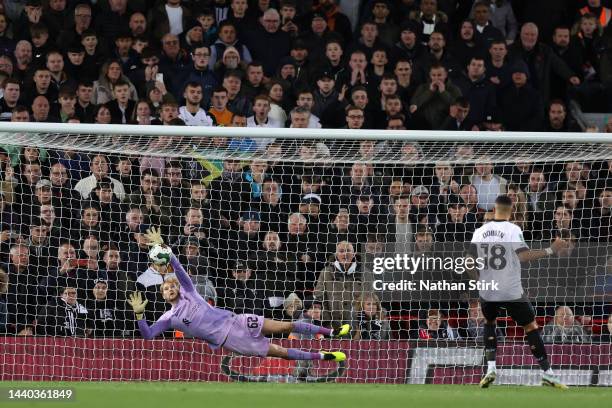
{"x": 192, "y": 314}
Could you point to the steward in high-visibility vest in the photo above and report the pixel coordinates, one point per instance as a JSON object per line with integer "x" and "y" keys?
{"x": 604, "y": 15}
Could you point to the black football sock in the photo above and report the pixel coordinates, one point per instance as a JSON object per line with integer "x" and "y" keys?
{"x": 490, "y": 342}
{"x": 536, "y": 345}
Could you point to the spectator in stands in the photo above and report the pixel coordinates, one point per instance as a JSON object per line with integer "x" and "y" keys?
{"x": 409, "y": 46}
{"x": 478, "y": 91}
{"x": 541, "y": 62}
{"x": 558, "y": 119}
{"x": 124, "y": 170}
{"x": 238, "y": 104}
{"x": 521, "y": 103}
{"x": 230, "y": 60}
{"x": 64, "y": 315}
{"x": 564, "y": 328}
{"x": 40, "y": 110}
{"x": 401, "y": 226}
{"x": 192, "y": 113}
{"x": 422, "y": 209}
{"x": 488, "y": 185}
{"x": 540, "y": 201}
{"x": 119, "y": 281}
{"x": 458, "y": 225}
{"x": 21, "y": 297}
{"x": 600, "y": 223}
{"x": 156, "y": 207}
{"x": 469, "y": 195}
{"x": 569, "y": 51}
{"x": 370, "y": 318}
{"x": 111, "y": 75}
{"x": 458, "y": 113}
{"x": 121, "y": 107}
{"x": 432, "y": 100}
{"x": 341, "y": 229}
{"x": 171, "y": 17}
{"x": 227, "y": 38}
{"x": 104, "y": 318}
{"x": 267, "y": 42}
{"x": 429, "y": 18}
{"x": 485, "y": 32}
{"x": 99, "y": 170}
{"x": 437, "y": 327}
{"x": 339, "y": 283}
{"x": 497, "y": 67}
{"x": 113, "y": 20}
{"x": 168, "y": 111}
{"x": 243, "y": 293}
{"x": 357, "y": 72}
{"x": 474, "y": 328}
{"x": 261, "y": 118}
{"x": 138, "y": 26}
{"x": 218, "y": 110}
{"x": 465, "y": 47}
{"x": 10, "y": 98}
{"x": 501, "y": 16}
{"x": 84, "y": 108}
{"x": 519, "y": 205}
{"x": 336, "y": 20}
{"x": 200, "y": 73}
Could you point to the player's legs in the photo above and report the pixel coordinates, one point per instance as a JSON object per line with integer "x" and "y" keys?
{"x": 524, "y": 315}
{"x": 489, "y": 311}
{"x": 275, "y": 350}
{"x": 278, "y": 327}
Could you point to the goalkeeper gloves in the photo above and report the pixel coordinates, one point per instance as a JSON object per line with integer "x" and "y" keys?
{"x": 138, "y": 305}
{"x": 153, "y": 237}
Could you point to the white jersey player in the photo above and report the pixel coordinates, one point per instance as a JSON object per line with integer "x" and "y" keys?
{"x": 501, "y": 247}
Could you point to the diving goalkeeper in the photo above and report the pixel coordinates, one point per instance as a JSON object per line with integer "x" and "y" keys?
{"x": 243, "y": 333}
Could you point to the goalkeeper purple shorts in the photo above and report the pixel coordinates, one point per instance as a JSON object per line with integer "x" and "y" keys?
{"x": 245, "y": 336}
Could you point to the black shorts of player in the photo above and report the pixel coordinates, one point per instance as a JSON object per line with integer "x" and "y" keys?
{"x": 520, "y": 310}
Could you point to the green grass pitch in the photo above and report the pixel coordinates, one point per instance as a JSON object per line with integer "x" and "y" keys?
{"x": 252, "y": 395}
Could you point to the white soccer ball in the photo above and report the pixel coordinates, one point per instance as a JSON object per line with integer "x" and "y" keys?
{"x": 160, "y": 255}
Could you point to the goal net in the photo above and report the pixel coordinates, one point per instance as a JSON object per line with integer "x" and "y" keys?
{"x": 320, "y": 227}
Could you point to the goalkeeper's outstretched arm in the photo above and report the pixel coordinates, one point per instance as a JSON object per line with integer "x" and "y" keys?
{"x": 181, "y": 275}
{"x": 153, "y": 237}
{"x": 148, "y": 332}
{"x": 157, "y": 328}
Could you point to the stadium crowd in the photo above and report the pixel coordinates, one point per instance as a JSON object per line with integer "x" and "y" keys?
{"x": 264, "y": 235}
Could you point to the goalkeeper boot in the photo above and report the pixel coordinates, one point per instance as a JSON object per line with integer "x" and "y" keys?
{"x": 333, "y": 355}
{"x": 488, "y": 379}
{"x": 550, "y": 380}
{"x": 340, "y": 331}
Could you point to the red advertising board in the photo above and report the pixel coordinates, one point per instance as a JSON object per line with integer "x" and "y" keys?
{"x": 395, "y": 362}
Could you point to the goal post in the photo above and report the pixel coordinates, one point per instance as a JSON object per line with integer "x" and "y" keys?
{"x": 320, "y": 225}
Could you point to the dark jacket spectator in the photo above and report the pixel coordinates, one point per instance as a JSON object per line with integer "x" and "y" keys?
{"x": 64, "y": 316}
{"x": 268, "y": 43}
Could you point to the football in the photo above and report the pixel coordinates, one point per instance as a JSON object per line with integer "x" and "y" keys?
{"x": 160, "y": 255}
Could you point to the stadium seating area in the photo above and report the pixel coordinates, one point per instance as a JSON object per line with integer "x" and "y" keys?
{"x": 254, "y": 232}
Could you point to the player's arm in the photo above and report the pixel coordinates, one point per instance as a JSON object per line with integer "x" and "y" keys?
{"x": 181, "y": 274}
{"x": 527, "y": 255}
{"x": 148, "y": 332}
{"x": 153, "y": 238}
{"x": 472, "y": 253}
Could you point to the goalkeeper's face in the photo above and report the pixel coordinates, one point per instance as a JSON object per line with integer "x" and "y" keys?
{"x": 170, "y": 290}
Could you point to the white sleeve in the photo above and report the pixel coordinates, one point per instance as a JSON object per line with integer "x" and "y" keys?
{"x": 518, "y": 241}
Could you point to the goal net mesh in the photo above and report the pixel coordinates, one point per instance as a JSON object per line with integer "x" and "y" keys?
{"x": 290, "y": 229}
